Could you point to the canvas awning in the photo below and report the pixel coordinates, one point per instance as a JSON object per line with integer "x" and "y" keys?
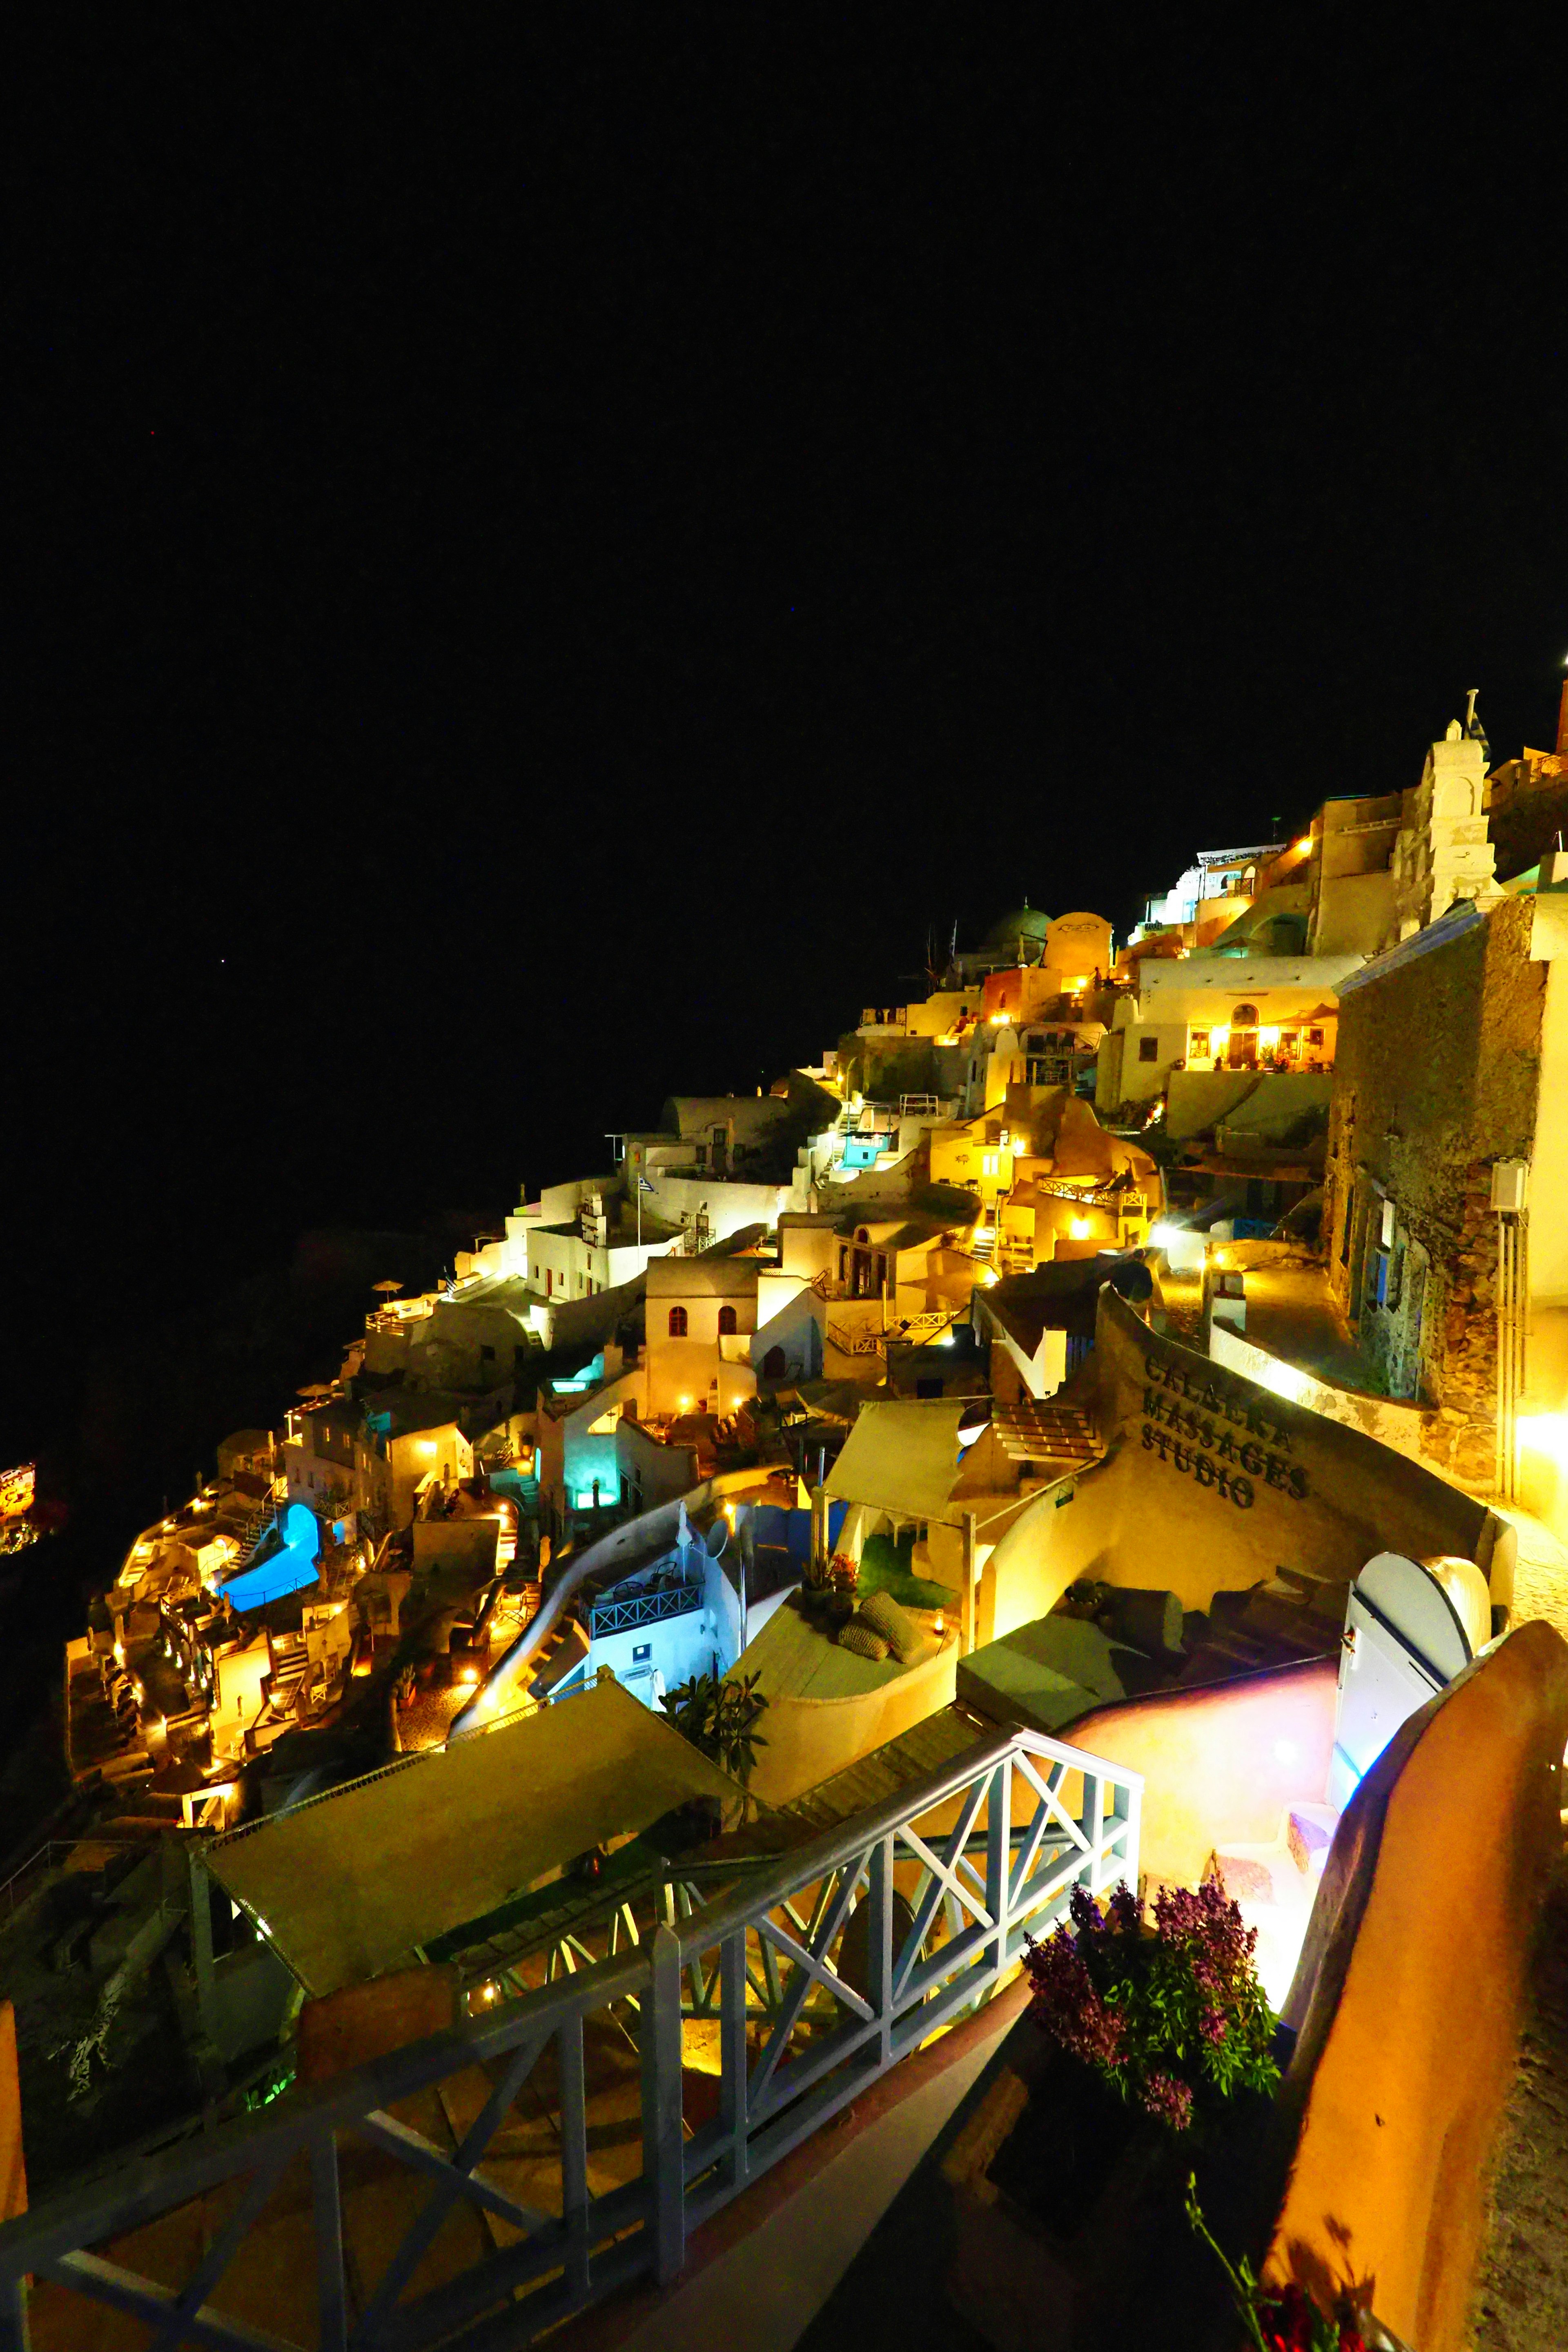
{"x": 350, "y": 1884}
{"x": 903, "y": 1457}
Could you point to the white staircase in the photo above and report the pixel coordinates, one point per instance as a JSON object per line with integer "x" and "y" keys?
{"x": 1276, "y": 1883}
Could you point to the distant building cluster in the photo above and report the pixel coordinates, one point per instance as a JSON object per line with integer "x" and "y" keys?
{"x": 1156, "y": 1345}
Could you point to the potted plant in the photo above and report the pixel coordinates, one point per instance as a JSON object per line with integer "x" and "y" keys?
{"x": 1172, "y": 2017}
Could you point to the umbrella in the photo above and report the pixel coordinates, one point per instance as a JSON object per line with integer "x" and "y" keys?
{"x": 391, "y": 1288}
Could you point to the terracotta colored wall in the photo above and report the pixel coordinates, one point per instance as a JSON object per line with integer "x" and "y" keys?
{"x": 12, "y": 2163}
{"x": 1409, "y": 1991}
{"x": 1218, "y": 1765}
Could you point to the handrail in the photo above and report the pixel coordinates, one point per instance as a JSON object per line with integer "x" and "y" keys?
{"x": 599, "y": 1554}
{"x": 802, "y": 2033}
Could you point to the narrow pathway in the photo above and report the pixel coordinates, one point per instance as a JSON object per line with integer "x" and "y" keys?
{"x": 1541, "y": 1579}
{"x": 1520, "y": 2302}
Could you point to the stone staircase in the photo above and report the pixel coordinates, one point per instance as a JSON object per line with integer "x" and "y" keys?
{"x": 925, "y": 1747}
{"x": 1276, "y": 1883}
{"x": 1294, "y": 1616}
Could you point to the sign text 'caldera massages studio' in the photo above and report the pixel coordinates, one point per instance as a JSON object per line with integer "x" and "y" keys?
{"x": 1203, "y": 1428}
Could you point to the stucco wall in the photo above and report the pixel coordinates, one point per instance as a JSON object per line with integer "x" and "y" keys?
{"x": 810, "y": 1739}
{"x": 1210, "y": 1481}
{"x": 1407, "y": 1994}
{"x": 1218, "y": 1765}
{"x": 1388, "y": 1419}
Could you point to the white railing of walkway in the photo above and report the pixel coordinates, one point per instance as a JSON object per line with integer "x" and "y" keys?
{"x": 823, "y": 1970}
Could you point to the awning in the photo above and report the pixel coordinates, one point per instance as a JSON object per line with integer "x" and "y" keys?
{"x": 903, "y": 1457}
{"x": 357, "y": 1882}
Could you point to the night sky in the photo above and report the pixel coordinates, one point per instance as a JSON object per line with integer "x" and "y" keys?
{"x": 554, "y": 553}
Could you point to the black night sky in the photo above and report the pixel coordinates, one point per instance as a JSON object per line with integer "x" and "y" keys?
{"x": 551, "y": 551}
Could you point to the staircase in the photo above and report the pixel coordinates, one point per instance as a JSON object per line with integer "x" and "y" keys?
{"x": 1294, "y": 1616}
{"x": 290, "y": 1662}
{"x": 255, "y": 1531}
{"x": 923, "y": 1748}
{"x": 1276, "y": 1883}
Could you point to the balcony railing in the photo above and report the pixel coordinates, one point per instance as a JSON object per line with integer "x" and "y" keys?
{"x": 314, "y": 2224}
{"x": 644, "y": 1608}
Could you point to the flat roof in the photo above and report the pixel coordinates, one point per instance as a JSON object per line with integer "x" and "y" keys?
{"x": 794, "y": 1658}
{"x": 360, "y": 1881}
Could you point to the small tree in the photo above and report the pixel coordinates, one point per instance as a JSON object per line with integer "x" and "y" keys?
{"x": 719, "y": 1716}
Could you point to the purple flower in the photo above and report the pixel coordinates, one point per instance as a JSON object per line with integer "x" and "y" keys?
{"x": 1124, "y": 1907}
{"x": 1169, "y": 2101}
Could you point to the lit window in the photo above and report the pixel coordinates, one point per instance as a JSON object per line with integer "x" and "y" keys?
{"x": 677, "y": 1322}
{"x": 1200, "y": 1041}
{"x": 988, "y": 1163}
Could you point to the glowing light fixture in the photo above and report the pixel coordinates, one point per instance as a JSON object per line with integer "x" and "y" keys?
{"x": 1080, "y": 1229}
{"x": 1285, "y": 1751}
{"x": 1545, "y": 1433}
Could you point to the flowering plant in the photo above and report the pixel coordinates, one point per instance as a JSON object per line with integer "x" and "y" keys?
{"x": 1163, "y": 2015}
{"x": 1289, "y": 2319}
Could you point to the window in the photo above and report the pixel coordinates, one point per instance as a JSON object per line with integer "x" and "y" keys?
{"x": 1291, "y": 1040}
{"x": 726, "y": 1322}
{"x": 677, "y": 1322}
{"x": 1200, "y": 1041}
{"x": 1244, "y": 1016}
{"x": 1148, "y": 1049}
{"x": 548, "y": 1281}
{"x": 988, "y": 1163}
{"x": 1314, "y": 1037}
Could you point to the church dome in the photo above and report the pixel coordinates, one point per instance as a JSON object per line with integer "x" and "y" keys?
{"x": 1025, "y": 923}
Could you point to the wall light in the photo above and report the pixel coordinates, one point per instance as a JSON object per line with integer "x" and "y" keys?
{"x": 1285, "y": 1751}
{"x": 1081, "y": 1229}
{"x": 1547, "y": 1434}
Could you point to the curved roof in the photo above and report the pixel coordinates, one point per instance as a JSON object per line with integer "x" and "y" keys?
{"x": 1023, "y": 922}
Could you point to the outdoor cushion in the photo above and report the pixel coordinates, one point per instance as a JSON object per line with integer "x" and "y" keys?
{"x": 901, "y": 1634}
{"x": 857, "y": 1635}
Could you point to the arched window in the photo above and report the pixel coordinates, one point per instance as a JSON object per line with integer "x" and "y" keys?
{"x": 1244, "y": 1016}
{"x": 726, "y": 1322}
{"x": 677, "y": 1322}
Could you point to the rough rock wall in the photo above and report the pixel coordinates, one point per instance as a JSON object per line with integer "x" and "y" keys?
{"x": 1437, "y": 1077}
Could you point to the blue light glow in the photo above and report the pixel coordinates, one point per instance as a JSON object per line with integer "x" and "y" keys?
{"x": 283, "y": 1571}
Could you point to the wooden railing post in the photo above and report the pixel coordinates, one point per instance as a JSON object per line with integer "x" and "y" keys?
{"x": 664, "y": 2164}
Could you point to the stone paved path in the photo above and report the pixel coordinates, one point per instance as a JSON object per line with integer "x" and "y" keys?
{"x": 1541, "y": 1581}
{"x": 1521, "y": 2291}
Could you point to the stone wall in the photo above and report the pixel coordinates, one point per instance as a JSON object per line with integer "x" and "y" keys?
{"x": 1438, "y": 1077}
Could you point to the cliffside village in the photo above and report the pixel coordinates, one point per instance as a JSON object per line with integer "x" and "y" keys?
{"x": 1048, "y": 1352}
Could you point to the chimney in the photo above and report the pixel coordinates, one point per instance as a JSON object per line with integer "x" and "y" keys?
{"x": 1562, "y": 723}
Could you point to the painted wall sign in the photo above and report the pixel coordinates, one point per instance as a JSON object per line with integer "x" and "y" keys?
{"x": 1205, "y": 1429}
